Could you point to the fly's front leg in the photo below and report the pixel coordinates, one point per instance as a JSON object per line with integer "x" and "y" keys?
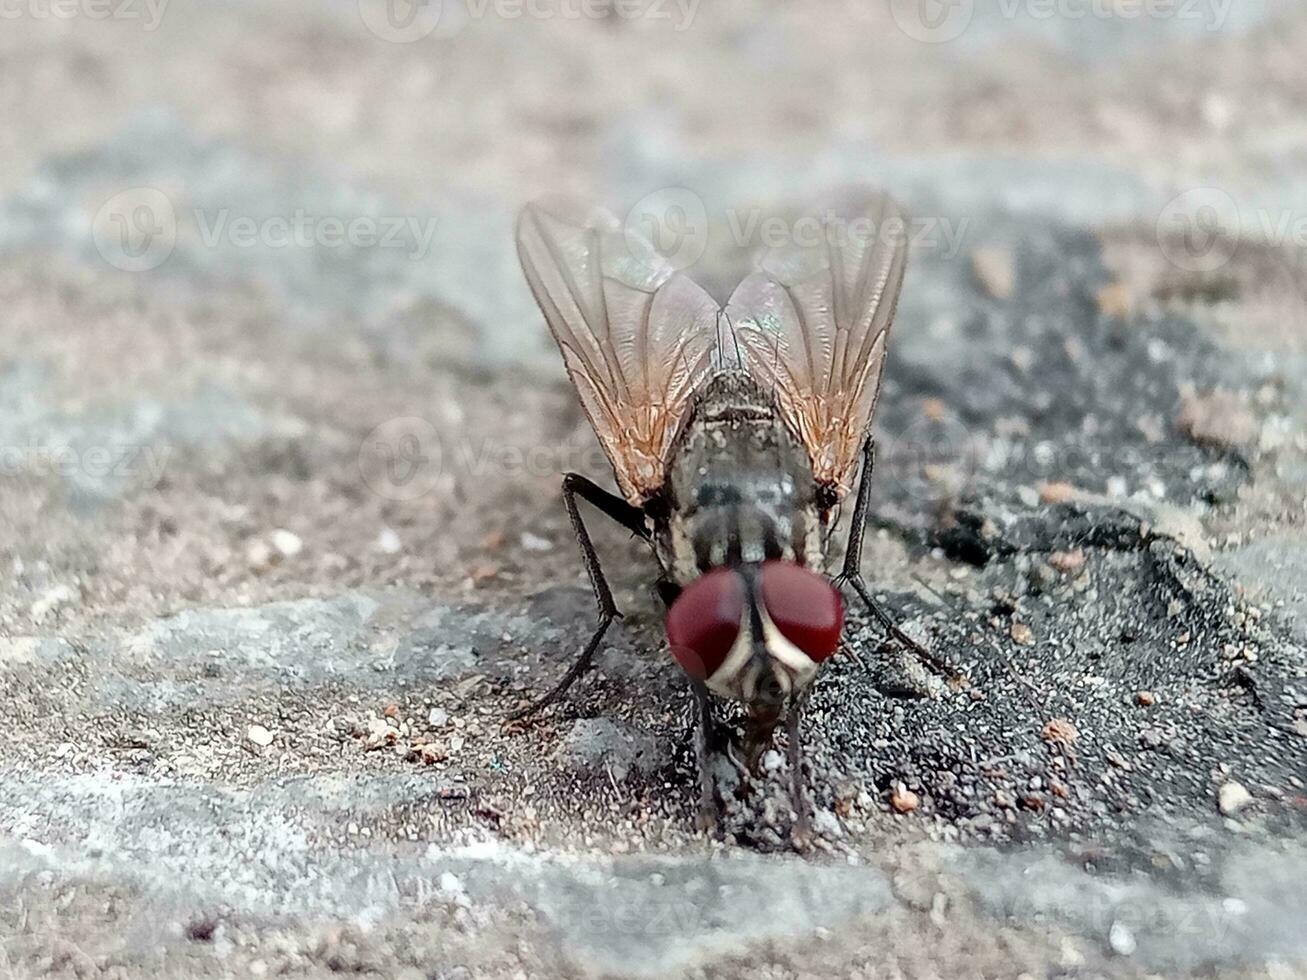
{"x": 705, "y": 736}
{"x": 801, "y": 835}
{"x": 630, "y": 517}
{"x": 851, "y": 573}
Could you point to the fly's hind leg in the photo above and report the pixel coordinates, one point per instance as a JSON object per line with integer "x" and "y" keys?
{"x": 630, "y": 517}
{"x": 851, "y": 573}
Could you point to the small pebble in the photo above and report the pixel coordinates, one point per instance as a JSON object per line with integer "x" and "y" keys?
{"x": 449, "y": 882}
{"x": 1218, "y": 419}
{"x": 995, "y": 268}
{"x": 431, "y": 754}
{"x": 1061, "y": 731}
{"x": 388, "y": 542}
{"x": 533, "y": 542}
{"x": 437, "y": 717}
{"x": 1232, "y": 797}
{"x": 259, "y": 735}
{"x": 1056, "y": 493}
{"x": 902, "y": 799}
{"x": 1114, "y": 300}
{"x": 1145, "y": 698}
{"x": 483, "y": 572}
{"x": 827, "y": 825}
{"x": 1121, "y": 939}
{"x": 260, "y": 556}
{"x": 1067, "y": 561}
{"x": 1022, "y": 635}
{"x": 287, "y": 543}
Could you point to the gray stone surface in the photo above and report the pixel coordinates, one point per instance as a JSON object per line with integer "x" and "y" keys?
{"x": 282, "y": 543}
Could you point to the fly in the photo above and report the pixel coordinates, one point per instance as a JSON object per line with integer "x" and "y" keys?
{"x": 733, "y": 434}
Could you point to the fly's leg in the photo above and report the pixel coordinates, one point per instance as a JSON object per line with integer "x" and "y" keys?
{"x": 851, "y": 573}
{"x": 705, "y": 736}
{"x": 801, "y": 835}
{"x": 630, "y": 517}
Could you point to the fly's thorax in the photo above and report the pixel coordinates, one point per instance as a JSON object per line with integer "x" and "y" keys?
{"x": 740, "y": 487}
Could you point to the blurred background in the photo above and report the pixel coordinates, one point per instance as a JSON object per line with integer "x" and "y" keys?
{"x": 228, "y": 224}
{"x": 282, "y": 433}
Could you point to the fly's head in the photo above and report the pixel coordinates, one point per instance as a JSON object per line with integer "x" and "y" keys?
{"x": 757, "y": 633}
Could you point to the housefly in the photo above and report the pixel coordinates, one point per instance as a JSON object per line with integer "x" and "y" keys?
{"x": 734, "y": 434}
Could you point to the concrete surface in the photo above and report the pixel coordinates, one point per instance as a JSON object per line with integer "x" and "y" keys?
{"x": 283, "y": 541}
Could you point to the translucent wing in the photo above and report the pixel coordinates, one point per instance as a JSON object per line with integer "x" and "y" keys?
{"x": 637, "y": 337}
{"x": 811, "y": 325}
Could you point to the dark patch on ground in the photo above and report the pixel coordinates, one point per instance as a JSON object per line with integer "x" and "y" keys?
{"x": 1044, "y": 386}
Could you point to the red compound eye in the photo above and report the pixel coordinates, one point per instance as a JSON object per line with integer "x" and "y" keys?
{"x": 705, "y": 620}
{"x": 805, "y": 607}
